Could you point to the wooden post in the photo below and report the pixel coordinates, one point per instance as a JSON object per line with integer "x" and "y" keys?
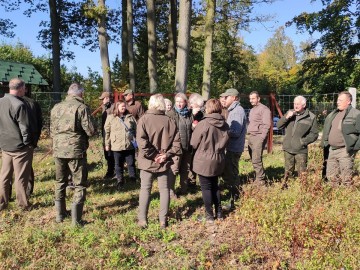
{"x": 352, "y": 91}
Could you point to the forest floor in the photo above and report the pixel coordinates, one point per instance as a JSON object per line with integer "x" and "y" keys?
{"x": 309, "y": 225}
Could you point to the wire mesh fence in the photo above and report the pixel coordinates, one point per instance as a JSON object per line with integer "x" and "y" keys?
{"x": 320, "y": 105}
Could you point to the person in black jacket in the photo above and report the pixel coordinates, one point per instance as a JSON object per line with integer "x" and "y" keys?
{"x": 300, "y": 130}
{"x": 16, "y": 143}
{"x": 36, "y": 120}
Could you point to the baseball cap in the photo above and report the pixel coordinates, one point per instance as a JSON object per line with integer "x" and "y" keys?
{"x": 230, "y": 92}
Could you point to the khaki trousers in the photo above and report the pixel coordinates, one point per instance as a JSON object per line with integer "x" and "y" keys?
{"x": 340, "y": 166}
{"x": 256, "y": 147}
{"x": 18, "y": 162}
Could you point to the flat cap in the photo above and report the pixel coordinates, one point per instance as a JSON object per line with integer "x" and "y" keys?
{"x": 230, "y": 92}
{"x": 105, "y": 94}
{"x": 128, "y": 91}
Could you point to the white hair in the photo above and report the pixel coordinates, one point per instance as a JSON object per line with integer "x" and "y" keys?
{"x": 167, "y": 101}
{"x": 301, "y": 99}
{"x": 156, "y": 102}
{"x": 196, "y": 99}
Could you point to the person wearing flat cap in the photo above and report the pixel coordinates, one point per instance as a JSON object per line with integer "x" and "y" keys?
{"x": 107, "y": 108}
{"x": 236, "y": 120}
{"x": 133, "y": 106}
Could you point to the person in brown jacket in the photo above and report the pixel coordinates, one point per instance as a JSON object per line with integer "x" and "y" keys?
{"x": 158, "y": 141}
{"x": 258, "y": 129}
{"x": 209, "y": 138}
{"x": 133, "y": 106}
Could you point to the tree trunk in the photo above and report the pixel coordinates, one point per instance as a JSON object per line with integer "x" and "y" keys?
{"x": 151, "y": 26}
{"x": 172, "y": 34}
{"x": 130, "y": 45}
{"x": 104, "y": 53}
{"x": 56, "y": 48}
{"x": 183, "y": 46}
{"x": 124, "y": 42}
{"x": 209, "y": 33}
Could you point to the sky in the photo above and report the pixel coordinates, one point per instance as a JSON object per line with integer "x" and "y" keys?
{"x": 282, "y": 11}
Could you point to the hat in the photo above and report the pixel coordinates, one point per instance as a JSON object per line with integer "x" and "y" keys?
{"x": 105, "y": 94}
{"x": 230, "y": 92}
{"x": 128, "y": 91}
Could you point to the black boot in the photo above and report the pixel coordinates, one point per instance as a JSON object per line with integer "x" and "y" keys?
{"x": 60, "y": 207}
{"x": 120, "y": 183}
{"x": 76, "y": 214}
{"x": 218, "y": 213}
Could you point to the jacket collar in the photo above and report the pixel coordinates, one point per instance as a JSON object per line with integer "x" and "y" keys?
{"x": 152, "y": 111}
{"x": 74, "y": 97}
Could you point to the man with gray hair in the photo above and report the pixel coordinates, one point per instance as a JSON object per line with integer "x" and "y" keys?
{"x": 16, "y": 143}
{"x": 300, "y": 130}
{"x": 342, "y": 134}
{"x": 71, "y": 125}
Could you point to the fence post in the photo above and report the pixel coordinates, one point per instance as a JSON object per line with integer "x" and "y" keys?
{"x": 352, "y": 91}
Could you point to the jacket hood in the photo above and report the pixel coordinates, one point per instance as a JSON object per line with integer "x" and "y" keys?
{"x": 215, "y": 119}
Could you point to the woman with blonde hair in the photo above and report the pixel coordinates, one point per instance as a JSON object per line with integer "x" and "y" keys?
{"x": 159, "y": 143}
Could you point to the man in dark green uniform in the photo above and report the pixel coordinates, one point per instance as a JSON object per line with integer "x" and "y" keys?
{"x": 71, "y": 125}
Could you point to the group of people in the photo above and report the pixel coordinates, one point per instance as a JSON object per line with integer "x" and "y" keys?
{"x": 188, "y": 139}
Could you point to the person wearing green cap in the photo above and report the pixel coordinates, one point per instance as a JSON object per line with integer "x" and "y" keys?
{"x": 236, "y": 120}
{"x": 133, "y": 106}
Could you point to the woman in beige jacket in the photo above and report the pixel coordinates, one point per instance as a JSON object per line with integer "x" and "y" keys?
{"x": 120, "y": 130}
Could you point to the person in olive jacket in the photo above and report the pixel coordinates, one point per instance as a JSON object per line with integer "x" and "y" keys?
{"x": 120, "y": 130}
{"x": 301, "y": 129}
{"x": 158, "y": 140}
{"x": 209, "y": 138}
{"x": 342, "y": 135}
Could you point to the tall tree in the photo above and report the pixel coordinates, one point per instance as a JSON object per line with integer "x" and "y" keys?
{"x": 130, "y": 45}
{"x": 124, "y": 43}
{"x": 209, "y": 33}
{"x": 277, "y": 60}
{"x": 171, "y": 52}
{"x": 338, "y": 25}
{"x": 183, "y": 45}
{"x": 103, "y": 43}
{"x": 56, "y": 47}
{"x": 152, "y": 57}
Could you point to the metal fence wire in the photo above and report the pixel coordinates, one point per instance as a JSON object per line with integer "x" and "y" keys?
{"x": 320, "y": 104}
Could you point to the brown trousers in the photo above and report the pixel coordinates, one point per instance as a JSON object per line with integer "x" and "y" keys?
{"x": 256, "y": 147}
{"x": 18, "y": 162}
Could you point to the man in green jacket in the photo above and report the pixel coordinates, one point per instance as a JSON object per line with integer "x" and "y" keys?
{"x": 300, "y": 130}
{"x": 341, "y": 134}
{"x": 16, "y": 143}
{"x": 71, "y": 125}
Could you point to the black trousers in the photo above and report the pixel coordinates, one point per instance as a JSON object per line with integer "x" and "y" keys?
{"x": 120, "y": 157}
{"x": 210, "y": 193}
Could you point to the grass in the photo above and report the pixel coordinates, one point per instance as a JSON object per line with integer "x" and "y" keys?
{"x": 307, "y": 226}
